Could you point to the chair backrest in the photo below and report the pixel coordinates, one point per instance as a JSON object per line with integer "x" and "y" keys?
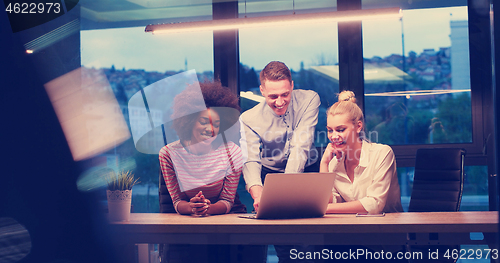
{"x": 438, "y": 180}
{"x": 166, "y": 203}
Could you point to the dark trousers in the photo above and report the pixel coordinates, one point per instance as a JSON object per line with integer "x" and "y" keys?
{"x": 283, "y": 251}
{"x": 214, "y": 254}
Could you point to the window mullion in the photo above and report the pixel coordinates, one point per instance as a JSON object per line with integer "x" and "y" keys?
{"x": 351, "y": 75}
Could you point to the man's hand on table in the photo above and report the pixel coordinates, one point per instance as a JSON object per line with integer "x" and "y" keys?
{"x": 256, "y": 192}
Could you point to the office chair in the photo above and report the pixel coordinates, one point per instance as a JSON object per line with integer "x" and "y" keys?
{"x": 438, "y": 180}
{"x": 166, "y": 203}
{"x": 437, "y": 187}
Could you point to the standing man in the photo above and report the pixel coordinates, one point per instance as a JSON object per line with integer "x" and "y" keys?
{"x": 278, "y": 134}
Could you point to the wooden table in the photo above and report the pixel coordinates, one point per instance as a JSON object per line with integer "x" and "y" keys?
{"x": 435, "y": 228}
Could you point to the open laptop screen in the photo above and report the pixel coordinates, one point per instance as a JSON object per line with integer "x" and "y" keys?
{"x": 295, "y": 195}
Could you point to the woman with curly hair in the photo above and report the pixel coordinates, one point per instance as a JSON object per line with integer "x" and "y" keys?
{"x": 202, "y": 171}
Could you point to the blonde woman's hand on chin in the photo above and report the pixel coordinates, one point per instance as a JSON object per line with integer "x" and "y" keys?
{"x": 330, "y": 152}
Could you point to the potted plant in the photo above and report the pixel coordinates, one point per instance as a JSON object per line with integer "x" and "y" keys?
{"x": 119, "y": 194}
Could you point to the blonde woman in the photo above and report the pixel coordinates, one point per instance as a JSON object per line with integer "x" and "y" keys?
{"x": 366, "y": 180}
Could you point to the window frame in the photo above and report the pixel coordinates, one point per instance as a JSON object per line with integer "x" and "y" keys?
{"x": 405, "y": 154}
{"x": 479, "y": 152}
{"x": 482, "y": 149}
{"x": 351, "y": 65}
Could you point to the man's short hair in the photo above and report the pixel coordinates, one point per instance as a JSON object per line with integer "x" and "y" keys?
{"x": 275, "y": 71}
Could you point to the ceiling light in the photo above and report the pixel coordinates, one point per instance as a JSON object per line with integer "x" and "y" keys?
{"x": 52, "y": 37}
{"x": 288, "y": 20}
{"x": 409, "y": 93}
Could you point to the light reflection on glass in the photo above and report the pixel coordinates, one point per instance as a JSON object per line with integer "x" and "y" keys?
{"x": 89, "y": 114}
{"x": 15, "y": 240}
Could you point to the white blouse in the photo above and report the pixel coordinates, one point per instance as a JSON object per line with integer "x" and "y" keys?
{"x": 375, "y": 180}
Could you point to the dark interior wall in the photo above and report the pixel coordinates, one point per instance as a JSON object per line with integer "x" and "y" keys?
{"x": 38, "y": 179}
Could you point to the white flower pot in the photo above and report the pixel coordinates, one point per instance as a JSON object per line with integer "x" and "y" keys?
{"x": 119, "y": 203}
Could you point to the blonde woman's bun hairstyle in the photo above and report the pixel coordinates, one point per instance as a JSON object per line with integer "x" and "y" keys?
{"x": 347, "y": 95}
{"x": 347, "y": 105}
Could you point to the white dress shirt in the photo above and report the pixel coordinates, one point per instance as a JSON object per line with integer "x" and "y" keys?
{"x": 375, "y": 180}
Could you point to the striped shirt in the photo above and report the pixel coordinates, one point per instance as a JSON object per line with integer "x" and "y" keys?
{"x": 186, "y": 174}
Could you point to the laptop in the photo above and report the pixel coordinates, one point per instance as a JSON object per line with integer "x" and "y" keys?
{"x": 294, "y": 195}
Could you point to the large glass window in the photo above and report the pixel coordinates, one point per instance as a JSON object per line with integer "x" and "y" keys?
{"x": 417, "y": 88}
{"x": 416, "y": 75}
{"x": 417, "y": 78}
{"x": 131, "y": 60}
